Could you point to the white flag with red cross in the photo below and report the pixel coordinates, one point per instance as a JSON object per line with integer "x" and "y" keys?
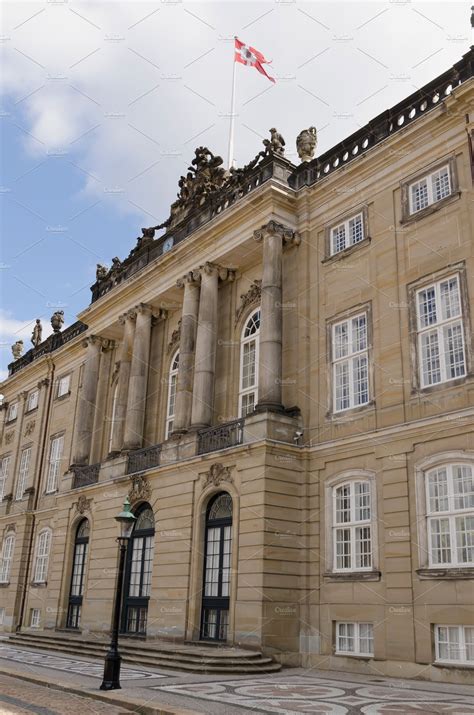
{"x": 251, "y": 57}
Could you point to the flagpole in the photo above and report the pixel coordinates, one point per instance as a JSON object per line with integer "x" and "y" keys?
{"x": 232, "y": 114}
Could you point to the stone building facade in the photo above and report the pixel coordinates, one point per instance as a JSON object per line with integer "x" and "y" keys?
{"x": 282, "y": 384}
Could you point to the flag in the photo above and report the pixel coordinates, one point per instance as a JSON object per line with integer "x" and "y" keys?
{"x": 251, "y": 57}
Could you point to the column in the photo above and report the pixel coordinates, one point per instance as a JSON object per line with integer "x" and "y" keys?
{"x": 87, "y": 400}
{"x": 206, "y": 341}
{"x": 100, "y": 419}
{"x": 125, "y": 355}
{"x": 274, "y": 236}
{"x": 135, "y": 418}
{"x": 189, "y": 319}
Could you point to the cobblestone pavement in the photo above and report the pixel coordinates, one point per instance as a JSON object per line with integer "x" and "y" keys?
{"x": 293, "y": 691}
{"x": 18, "y": 697}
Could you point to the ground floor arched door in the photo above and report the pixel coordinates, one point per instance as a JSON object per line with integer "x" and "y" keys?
{"x": 217, "y": 562}
{"x": 76, "y": 590}
{"x": 138, "y": 572}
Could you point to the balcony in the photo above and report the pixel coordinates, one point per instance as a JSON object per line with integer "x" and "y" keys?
{"x": 227, "y": 435}
{"x": 143, "y": 459}
{"x": 84, "y": 475}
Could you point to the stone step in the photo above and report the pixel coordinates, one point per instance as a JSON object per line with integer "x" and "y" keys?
{"x": 154, "y": 657}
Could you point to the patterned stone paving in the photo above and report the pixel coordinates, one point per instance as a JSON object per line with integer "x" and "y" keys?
{"x": 323, "y": 696}
{"x": 70, "y": 665}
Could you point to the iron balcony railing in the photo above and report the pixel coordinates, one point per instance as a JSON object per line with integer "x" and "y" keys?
{"x": 227, "y": 435}
{"x": 84, "y": 475}
{"x": 143, "y": 459}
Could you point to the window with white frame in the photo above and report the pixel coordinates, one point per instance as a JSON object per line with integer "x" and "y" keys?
{"x": 355, "y": 639}
{"x": 23, "y": 472}
{"x": 54, "y": 465}
{"x": 63, "y": 386}
{"x": 454, "y": 644}
{"x": 450, "y": 515}
{"x": 35, "y": 617}
{"x": 429, "y": 189}
{"x": 172, "y": 387}
{"x": 32, "y": 401}
{"x": 347, "y": 233}
{"x": 352, "y": 526}
{"x": 6, "y": 558}
{"x": 42, "y": 556}
{"x": 12, "y": 412}
{"x": 350, "y": 353}
{"x": 249, "y": 350}
{"x": 441, "y": 344}
{"x": 4, "y": 469}
{"x": 2, "y": 616}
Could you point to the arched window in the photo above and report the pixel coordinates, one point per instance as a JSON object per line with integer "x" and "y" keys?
{"x": 217, "y": 568}
{"x": 450, "y": 515}
{"x": 6, "y": 558}
{"x": 172, "y": 384}
{"x": 42, "y": 556}
{"x": 248, "y": 387}
{"x": 352, "y": 529}
{"x": 81, "y": 545}
{"x": 138, "y": 573}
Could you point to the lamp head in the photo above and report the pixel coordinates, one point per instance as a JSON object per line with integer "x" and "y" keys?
{"x": 126, "y": 519}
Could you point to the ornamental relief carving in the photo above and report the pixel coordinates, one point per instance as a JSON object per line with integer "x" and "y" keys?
{"x": 217, "y": 474}
{"x": 9, "y": 437}
{"x": 253, "y": 295}
{"x": 29, "y": 428}
{"x": 175, "y": 338}
{"x": 83, "y": 504}
{"x": 140, "y": 489}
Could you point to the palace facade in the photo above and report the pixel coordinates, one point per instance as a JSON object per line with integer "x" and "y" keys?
{"x": 282, "y": 384}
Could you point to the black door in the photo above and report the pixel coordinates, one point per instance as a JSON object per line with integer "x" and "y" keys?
{"x": 217, "y": 562}
{"x": 138, "y": 573}
{"x": 81, "y": 545}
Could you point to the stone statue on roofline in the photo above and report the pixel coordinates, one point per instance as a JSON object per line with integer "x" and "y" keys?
{"x": 276, "y": 143}
{"x": 306, "y": 143}
{"x": 37, "y": 333}
{"x": 17, "y": 349}
{"x": 100, "y": 272}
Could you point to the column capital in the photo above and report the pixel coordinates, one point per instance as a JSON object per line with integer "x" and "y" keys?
{"x": 143, "y": 308}
{"x": 272, "y": 228}
{"x": 191, "y": 277}
{"x": 222, "y": 272}
{"x": 128, "y": 315}
{"x": 43, "y": 383}
{"x": 94, "y": 340}
{"x": 160, "y": 315}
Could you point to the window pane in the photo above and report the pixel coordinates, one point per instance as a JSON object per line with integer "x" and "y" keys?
{"x": 248, "y": 365}
{"x": 454, "y": 350}
{"x": 427, "y": 313}
{"x": 441, "y": 184}
{"x": 341, "y": 340}
{"x": 343, "y": 504}
{"x": 438, "y": 491}
{"x": 359, "y": 333}
{"x": 341, "y": 378}
{"x": 356, "y": 229}
{"x": 362, "y": 501}
{"x": 366, "y": 638}
{"x": 343, "y": 548}
{"x": 465, "y": 539}
{"x": 440, "y": 541}
{"x": 346, "y": 637}
{"x": 363, "y": 547}
{"x": 360, "y": 376}
{"x": 338, "y": 238}
{"x": 463, "y": 487}
{"x": 419, "y": 195}
{"x": 469, "y": 641}
{"x": 450, "y": 299}
{"x": 430, "y": 360}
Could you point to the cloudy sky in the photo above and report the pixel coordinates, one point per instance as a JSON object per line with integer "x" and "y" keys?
{"x": 103, "y": 104}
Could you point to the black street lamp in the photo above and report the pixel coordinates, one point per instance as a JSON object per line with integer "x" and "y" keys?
{"x": 111, "y": 679}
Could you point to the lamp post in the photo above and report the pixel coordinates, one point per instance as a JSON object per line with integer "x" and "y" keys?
{"x": 111, "y": 679}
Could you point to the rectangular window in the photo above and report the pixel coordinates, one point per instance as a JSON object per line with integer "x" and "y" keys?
{"x": 23, "y": 473}
{"x": 455, "y": 644}
{"x": 35, "y": 617}
{"x": 441, "y": 345}
{"x": 347, "y": 233}
{"x": 352, "y": 529}
{"x": 54, "y": 467}
{"x": 12, "y": 412}
{"x": 2, "y": 616}
{"x": 6, "y": 558}
{"x": 4, "y": 469}
{"x": 355, "y": 639}
{"x": 63, "y": 385}
{"x": 32, "y": 402}
{"x": 42, "y": 557}
{"x": 350, "y": 363}
{"x": 429, "y": 189}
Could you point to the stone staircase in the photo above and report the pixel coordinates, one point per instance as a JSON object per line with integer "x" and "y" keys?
{"x": 194, "y": 658}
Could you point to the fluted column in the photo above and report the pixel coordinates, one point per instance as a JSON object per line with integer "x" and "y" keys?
{"x": 189, "y": 320}
{"x": 135, "y": 418}
{"x": 87, "y": 400}
{"x": 125, "y": 355}
{"x": 206, "y": 340}
{"x": 101, "y": 401}
{"x": 274, "y": 236}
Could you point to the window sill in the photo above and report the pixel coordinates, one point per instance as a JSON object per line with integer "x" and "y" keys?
{"x": 445, "y": 385}
{"x": 346, "y": 251}
{"x": 9, "y": 423}
{"x": 351, "y": 413}
{"x": 449, "y": 664}
{"x": 59, "y": 398}
{"x": 33, "y": 409}
{"x": 454, "y": 573}
{"x": 38, "y": 584}
{"x": 359, "y": 656}
{"x": 432, "y": 208}
{"x": 335, "y": 576}
{"x": 4, "y": 584}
